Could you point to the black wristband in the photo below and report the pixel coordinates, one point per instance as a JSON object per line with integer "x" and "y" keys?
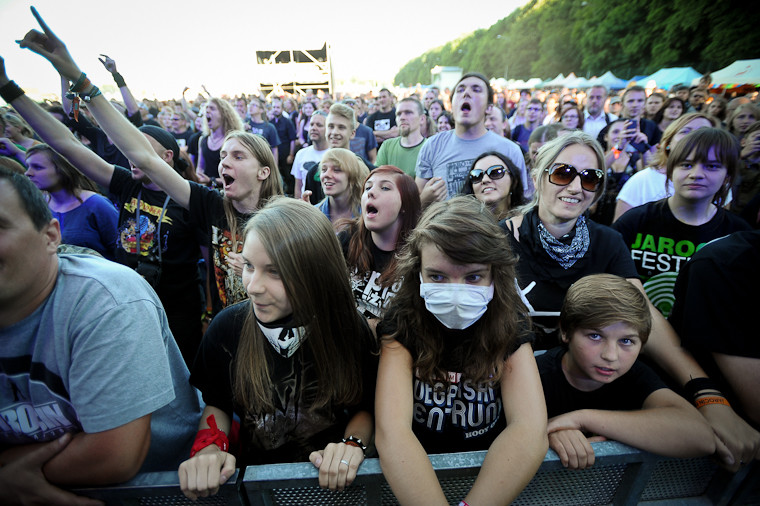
{"x": 10, "y": 91}
{"x": 119, "y": 80}
{"x": 696, "y": 385}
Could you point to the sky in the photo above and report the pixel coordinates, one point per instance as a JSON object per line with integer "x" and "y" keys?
{"x": 161, "y": 46}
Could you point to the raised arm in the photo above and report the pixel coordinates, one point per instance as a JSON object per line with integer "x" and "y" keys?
{"x": 55, "y": 133}
{"x": 403, "y": 459}
{"x": 127, "y": 138}
{"x": 516, "y": 454}
{"x": 126, "y": 94}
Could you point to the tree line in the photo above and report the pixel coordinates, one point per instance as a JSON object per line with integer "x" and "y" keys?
{"x": 589, "y": 37}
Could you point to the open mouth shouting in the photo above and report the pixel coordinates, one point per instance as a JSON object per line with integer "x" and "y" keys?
{"x": 370, "y": 211}
{"x": 466, "y": 107}
{"x": 228, "y": 180}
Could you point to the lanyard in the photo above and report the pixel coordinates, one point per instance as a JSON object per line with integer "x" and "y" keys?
{"x": 158, "y": 233}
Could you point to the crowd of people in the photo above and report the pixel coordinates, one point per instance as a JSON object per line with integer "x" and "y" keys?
{"x": 201, "y": 285}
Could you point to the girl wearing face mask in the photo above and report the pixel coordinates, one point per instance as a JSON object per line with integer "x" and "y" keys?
{"x": 457, "y": 371}
{"x": 296, "y": 366}
{"x": 390, "y": 208}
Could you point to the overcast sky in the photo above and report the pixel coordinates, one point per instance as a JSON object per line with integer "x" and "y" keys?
{"x": 161, "y": 46}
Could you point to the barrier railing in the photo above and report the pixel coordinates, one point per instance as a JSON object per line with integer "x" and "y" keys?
{"x": 621, "y": 475}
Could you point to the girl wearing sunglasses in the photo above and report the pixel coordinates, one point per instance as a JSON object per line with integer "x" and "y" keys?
{"x": 555, "y": 242}
{"x": 663, "y": 235}
{"x": 491, "y": 180}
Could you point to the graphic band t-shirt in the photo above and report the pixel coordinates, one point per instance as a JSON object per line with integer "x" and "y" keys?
{"x": 371, "y": 298}
{"x": 179, "y": 247}
{"x": 207, "y": 214}
{"x": 459, "y": 415}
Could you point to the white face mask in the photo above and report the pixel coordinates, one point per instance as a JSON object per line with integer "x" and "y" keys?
{"x": 456, "y": 305}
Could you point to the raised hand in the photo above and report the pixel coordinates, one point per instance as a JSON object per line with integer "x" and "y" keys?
{"x": 108, "y": 63}
{"x": 3, "y": 76}
{"x": 50, "y": 47}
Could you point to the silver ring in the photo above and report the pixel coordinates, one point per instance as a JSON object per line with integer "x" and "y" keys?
{"x": 344, "y": 462}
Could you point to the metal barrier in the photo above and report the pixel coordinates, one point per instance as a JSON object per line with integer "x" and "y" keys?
{"x": 621, "y": 475}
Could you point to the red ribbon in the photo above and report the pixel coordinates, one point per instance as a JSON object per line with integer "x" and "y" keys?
{"x": 210, "y": 436}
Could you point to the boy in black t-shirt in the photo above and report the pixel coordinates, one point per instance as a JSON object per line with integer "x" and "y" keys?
{"x": 596, "y": 389}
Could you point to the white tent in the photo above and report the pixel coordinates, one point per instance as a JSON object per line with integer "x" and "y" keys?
{"x": 738, "y": 73}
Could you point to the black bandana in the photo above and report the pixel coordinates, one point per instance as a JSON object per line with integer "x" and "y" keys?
{"x": 283, "y": 335}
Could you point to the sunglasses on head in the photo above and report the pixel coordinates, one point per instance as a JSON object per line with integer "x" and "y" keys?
{"x": 494, "y": 172}
{"x": 562, "y": 174}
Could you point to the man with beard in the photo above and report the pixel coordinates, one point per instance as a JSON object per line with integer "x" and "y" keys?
{"x": 402, "y": 151}
{"x": 445, "y": 159}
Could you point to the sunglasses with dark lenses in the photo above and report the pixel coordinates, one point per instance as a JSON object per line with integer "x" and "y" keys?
{"x": 562, "y": 174}
{"x": 494, "y": 172}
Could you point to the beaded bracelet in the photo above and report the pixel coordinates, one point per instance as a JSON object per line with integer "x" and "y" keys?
{"x": 10, "y": 91}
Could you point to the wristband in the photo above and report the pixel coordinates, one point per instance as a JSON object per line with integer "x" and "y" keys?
{"x": 119, "y": 80}
{"x": 210, "y": 436}
{"x": 80, "y": 83}
{"x": 706, "y": 401}
{"x": 94, "y": 92}
{"x": 10, "y": 91}
{"x": 696, "y": 385}
{"x": 355, "y": 441}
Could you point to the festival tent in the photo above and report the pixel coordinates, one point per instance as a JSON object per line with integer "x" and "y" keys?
{"x": 609, "y": 80}
{"x": 557, "y": 81}
{"x": 667, "y": 77}
{"x": 738, "y": 73}
{"x": 577, "y": 83}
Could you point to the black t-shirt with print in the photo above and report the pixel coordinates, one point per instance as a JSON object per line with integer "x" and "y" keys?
{"x": 294, "y": 430}
{"x": 459, "y": 415}
{"x": 207, "y": 216}
{"x": 371, "y": 298}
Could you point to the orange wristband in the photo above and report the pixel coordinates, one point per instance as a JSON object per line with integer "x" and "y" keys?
{"x": 707, "y": 400}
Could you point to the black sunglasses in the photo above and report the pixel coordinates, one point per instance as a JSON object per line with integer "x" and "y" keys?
{"x": 494, "y": 172}
{"x": 562, "y": 174}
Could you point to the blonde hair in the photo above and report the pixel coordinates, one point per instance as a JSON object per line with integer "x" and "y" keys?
{"x": 550, "y": 151}
{"x": 230, "y": 118}
{"x": 354, "y": 168}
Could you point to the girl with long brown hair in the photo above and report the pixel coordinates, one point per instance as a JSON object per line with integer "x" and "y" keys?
{"x": 456, "y": 370}
{"x": 295, "y": 365}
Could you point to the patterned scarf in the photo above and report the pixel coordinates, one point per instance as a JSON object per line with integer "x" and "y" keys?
{"x": 566, "y": 254}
